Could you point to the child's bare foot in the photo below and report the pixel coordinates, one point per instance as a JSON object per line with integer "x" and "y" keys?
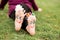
{"x": 31, "y": 25}
{"x": 19, "y": 16}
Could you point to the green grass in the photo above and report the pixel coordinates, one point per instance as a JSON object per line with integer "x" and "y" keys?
{"x": 47, "y": 24}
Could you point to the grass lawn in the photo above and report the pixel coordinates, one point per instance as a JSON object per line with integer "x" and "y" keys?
{"x": 47, "y": 24}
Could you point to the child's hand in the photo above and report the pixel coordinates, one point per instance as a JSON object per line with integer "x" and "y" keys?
{"x": 39, "y": 9}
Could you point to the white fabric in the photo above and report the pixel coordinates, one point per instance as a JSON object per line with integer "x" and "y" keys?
{"x": 19, "y": 7}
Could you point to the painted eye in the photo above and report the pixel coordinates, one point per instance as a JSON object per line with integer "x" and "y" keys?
{"x": 33, "y": 22}
{"x": 17, "y": 17}
{"x": 20, "y": 18}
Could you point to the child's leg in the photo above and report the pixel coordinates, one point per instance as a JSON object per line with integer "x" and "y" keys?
{"x": 17, "y": 15}
{"x": 31, "y": 24}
